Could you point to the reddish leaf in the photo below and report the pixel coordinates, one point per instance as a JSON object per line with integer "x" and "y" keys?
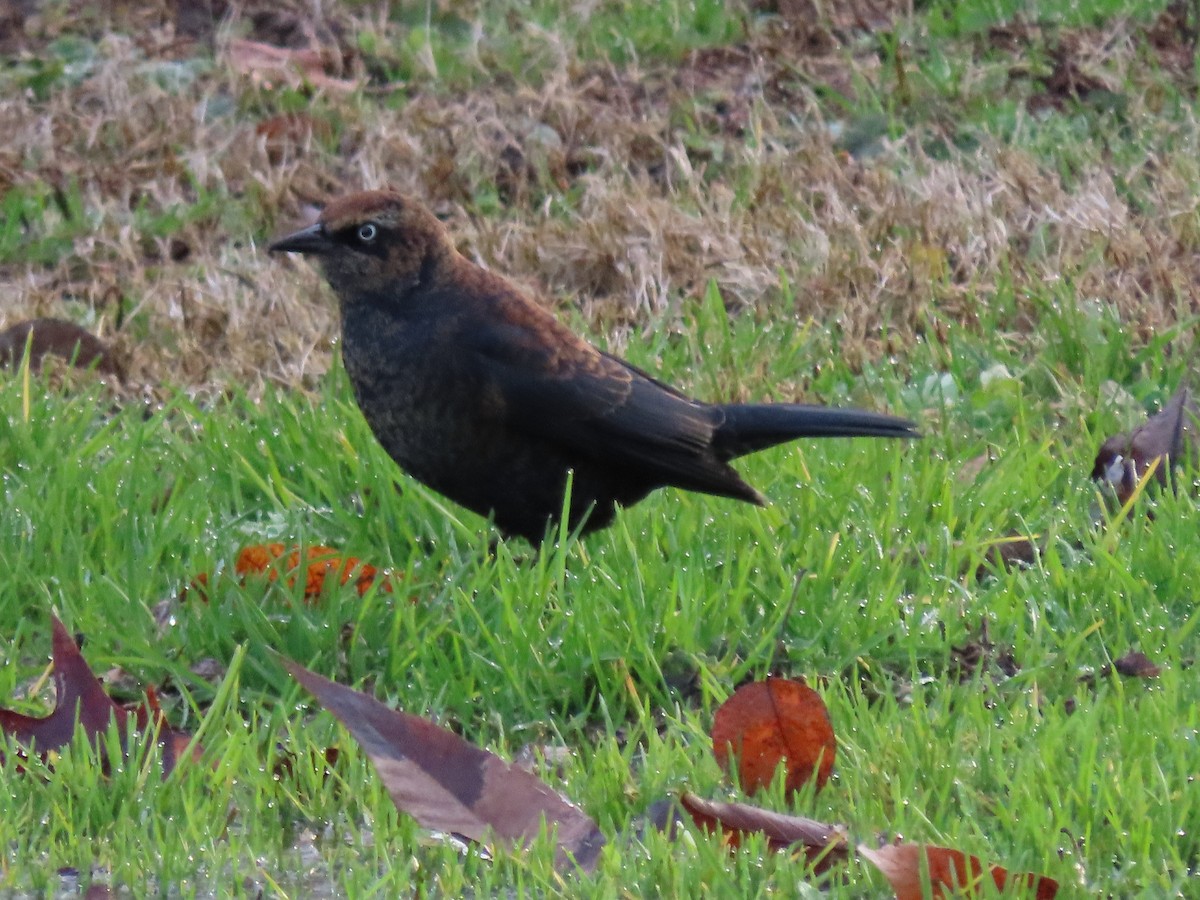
{"x": 197, "y": 586}
{"x": 951, "y": 873}
{"x": 824, "y": 845}
{"x": 81, "y": 702}
{"x": 1172, "y": 433}
{"x": 773, "y": 721}
{"x": 176, "y": 745}
{"x": 449, "y": 785}
{"x": 80, "y": 699}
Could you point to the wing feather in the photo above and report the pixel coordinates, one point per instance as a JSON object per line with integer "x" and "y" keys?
{"x": 598, "y": 407}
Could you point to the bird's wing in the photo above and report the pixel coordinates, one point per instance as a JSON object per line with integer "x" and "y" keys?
{"x": 597, "y": 405}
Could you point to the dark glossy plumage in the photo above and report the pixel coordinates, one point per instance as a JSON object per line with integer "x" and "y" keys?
{"x": 481, "y": 394}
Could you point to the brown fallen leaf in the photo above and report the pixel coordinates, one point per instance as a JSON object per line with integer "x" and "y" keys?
{"x": 285, "y": 761}
{"x": 289, "y": 132}
{"x": 449, "y": 785}
{"x": 952, "y": 873}
{"x": 766, "y": 723}
{"x": 1172, "y": 436}
{"x": 1174, "y": 35}
{"x": 175, "y": 745}
{"x": 1134, "y": 664}
{"x": 970, "y": 470}
{"x": 1067, "y": 82}
{"x": 824, "y": 845}
{"x": 1013, "y": 550}
{"x": 82, "y": 703}
{"x": 56, "y": 337}
{"x": 268, "y": 66}
{"x": 980, "y": 655}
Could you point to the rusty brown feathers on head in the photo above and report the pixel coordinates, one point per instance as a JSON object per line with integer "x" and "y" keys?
{"x": 371, "y": 242}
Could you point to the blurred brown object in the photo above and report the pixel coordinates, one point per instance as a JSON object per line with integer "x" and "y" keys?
{"x": 61, "y": 338}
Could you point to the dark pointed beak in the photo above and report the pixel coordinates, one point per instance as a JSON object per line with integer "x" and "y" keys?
{"x": 312, "y": 239}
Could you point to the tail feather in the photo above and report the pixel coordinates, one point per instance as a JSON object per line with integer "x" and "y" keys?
{"x": 746, "y": 428}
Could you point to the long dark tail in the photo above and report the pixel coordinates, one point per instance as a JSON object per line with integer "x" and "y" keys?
{"x": 756, "y": 426}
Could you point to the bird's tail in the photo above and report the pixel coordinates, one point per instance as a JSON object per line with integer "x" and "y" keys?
{"x": 755, "y": 426}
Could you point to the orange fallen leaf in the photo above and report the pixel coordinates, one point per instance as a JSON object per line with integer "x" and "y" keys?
{"x": 771, "y": 722}
{"x": 952, "y": 873}
{"x": 268, "y": 559}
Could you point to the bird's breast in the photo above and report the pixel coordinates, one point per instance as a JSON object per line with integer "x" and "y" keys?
{"x": 417, "y": 394}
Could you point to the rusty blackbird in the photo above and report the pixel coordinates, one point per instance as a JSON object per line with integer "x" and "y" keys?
{"x": 480, "y": 393}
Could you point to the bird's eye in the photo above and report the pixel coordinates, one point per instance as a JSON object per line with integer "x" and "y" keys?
{"x": 368, "y": 232}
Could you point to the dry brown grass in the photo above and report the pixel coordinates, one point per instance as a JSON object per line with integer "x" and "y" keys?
{"x": 624, "y": 191}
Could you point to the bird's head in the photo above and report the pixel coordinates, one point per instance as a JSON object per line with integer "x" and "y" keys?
{"x": 372, "y": 245}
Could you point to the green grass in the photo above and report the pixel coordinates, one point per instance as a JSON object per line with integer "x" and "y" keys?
{"x": 859, "y": 576}
{"x": 854, "y": 572}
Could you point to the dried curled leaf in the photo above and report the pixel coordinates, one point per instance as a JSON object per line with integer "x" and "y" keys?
{"x": 824, "y": 845}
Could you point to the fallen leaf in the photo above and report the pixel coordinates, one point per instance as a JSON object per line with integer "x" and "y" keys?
{"x": 290, "y": 131}
{"x": 82, "y": 703}
{"x": 825, "y": 845}
{"x": 1015, "y": 550}
{"x": 449, "y": 785}
{"x": 1134, "y": 664}
{"x": 951, "y": 873}
{"x": 175, "y": 745}
{"x": 1068, "y": 82}
{"x": 766, "y": 723}
{"x": 198, "y": 586}
{"x": 269, "y": 559}
{"x": 981, "y": 655}
{"x": 268, "y": 66}
{"x": 285, "y": 762}
{"x": 56, "y": 337}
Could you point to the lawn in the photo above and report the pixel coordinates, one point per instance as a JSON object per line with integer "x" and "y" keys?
{"x": 981, "y": 215}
